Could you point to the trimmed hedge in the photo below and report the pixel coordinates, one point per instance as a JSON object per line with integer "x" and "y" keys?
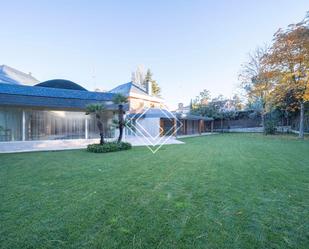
{"x": 108, "y": 147}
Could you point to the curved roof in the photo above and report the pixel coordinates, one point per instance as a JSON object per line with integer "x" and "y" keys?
{"x": 62, "y": 84}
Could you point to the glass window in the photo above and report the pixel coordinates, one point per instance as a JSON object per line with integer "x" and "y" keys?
{"x": 10, "y": 124}
{"x": 54, "y": 125}
{"x": 51, "y": 125}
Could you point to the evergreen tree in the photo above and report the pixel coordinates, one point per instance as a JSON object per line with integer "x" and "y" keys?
{"x": 156, "y": 90}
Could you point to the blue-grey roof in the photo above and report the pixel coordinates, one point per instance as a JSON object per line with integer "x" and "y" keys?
{"x": 153, "y": 113}
{"x": 49, "y": 97}
{"x": 127, "y": 88}
{"x": 9, "y": 75}
{"x": 186, "y": 116}
{"x": 54, "y": 92}
{"x": 162, "y": 113}
{"x": 62, "y": 84}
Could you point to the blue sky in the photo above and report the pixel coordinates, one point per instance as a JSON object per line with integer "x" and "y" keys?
{"x": 189, "y": 45}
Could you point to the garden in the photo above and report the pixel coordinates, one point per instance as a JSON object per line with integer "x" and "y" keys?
{"x": 220, "y": 191}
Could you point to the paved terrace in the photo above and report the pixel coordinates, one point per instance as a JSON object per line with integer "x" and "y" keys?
{"x": 53, "y": 145}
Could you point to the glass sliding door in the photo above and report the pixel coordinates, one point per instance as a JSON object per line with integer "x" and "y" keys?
{"x": 54, "y": 125}
{"x": 10, "y": 124}
{"x": 51, "y": 125}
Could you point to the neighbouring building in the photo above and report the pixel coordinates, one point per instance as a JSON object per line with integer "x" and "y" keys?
{"x": 154, "y": 119}
{"x": 9, "y": 75}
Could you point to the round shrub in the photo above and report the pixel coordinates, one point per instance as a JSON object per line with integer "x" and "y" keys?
{"x": 270, "y": 128}
{"x": 108, "y": 147}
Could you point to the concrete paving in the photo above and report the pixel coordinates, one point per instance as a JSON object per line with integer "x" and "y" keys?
{"x": 198, "y": 135}
{"x": 53, "y": 145}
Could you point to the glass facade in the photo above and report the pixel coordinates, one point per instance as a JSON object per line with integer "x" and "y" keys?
{"x": 29, "y": 124}
{"x": 10, "y": 124}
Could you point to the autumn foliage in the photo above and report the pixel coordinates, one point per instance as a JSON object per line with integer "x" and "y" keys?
{"x": 278, "y": 76}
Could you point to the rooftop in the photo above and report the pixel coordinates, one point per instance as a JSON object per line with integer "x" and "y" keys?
{"x": 131, "y": 89}
{"x": 20, "y": 95}
{"x": 61, "y": 84}
{"x": 13, "y": 76}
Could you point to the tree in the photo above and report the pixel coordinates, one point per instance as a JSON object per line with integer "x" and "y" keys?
{"x": 289, "y": 55}
{"x": 120, "y": 100}
{"x": 156, "y": 90}
{"x": 98, "y": 111}
{"x": 201, "y": 100}
{"x": 138, "y": 77}
{"x": 237, "y": 103}
{"x": 257, "y": 80}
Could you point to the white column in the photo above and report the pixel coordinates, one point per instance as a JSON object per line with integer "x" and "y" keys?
{"x": 86, "y": 128}
{"x": 24, "y": 126}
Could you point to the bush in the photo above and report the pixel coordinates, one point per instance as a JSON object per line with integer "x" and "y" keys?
{"x": 270, "y": 128}
{"x": 108, "y": 147}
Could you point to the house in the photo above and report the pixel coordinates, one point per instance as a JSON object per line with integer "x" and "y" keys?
{"x": 55, "y": 110}
{"x": 51, "y": 110}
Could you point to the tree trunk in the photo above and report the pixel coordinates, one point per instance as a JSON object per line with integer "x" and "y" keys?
{"x": 102, "y": 138}
{"x": 263, "y": 120}
{"x": 301, "y": 121}
{"x": 101, "y": 129}
{"x": 120, "y": 120}
{"x": 221, "y": 124}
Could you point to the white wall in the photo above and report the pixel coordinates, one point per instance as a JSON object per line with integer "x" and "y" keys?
{"x": 150, "y": 126}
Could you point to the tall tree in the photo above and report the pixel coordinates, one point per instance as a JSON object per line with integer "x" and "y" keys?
{"x": 156, "y": 90}
{"x": 98, "y": 111}
{"x": 120, "y": 100}
{"x": 289, "y": 55}
{"x": 201, "y": 100}
{"x": 138, "y": 76}
{"x": 237, "y": 103}
{"x": 257, "y": 80}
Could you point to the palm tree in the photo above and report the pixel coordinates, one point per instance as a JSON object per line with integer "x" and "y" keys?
{"x": 97, "y": 110}
{"x": 120, "y": 100}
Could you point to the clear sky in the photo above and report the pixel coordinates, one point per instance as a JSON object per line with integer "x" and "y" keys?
{"x": 189, "y": 45}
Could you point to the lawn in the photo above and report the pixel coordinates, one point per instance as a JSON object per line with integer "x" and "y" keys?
{"x": 220, "y": 191}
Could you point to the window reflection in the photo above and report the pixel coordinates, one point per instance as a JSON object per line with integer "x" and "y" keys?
{"x": 10, "y": 124}
{"x": 51, "y": 125}
{"x": 54, "y": 125}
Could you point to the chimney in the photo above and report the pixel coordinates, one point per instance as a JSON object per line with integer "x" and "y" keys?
{"x": 149, "y": 87}
{"x": 180, "y": 107}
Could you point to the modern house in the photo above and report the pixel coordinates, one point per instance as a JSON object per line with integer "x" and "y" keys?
{"x": 55, "y": 110}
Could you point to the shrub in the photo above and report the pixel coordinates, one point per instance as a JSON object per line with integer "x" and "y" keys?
{"x": 108, "y": 147}
{"x": 270, "y": 128}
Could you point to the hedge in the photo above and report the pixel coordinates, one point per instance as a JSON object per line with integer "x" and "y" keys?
{"x": 108, "y": 147}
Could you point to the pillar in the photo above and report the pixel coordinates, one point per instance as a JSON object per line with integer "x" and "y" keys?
{"x": 86, "y": 128}
{"x": 23, "y": 126}
{"x": 175, "y": 128}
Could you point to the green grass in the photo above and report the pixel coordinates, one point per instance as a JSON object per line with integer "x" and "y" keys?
{"x": 220, "y": 191}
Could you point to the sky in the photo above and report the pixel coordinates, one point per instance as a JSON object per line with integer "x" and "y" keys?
{"x": 188, "y": 45}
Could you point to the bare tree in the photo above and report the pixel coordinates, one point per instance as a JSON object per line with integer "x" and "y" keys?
{"x": 256, "y": 79}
